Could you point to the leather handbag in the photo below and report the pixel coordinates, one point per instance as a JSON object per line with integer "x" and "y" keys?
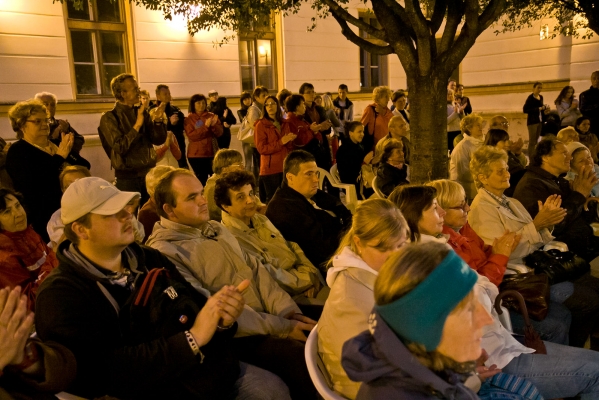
{"x": 534, "y": 288}
{"x": 559, "y": 266}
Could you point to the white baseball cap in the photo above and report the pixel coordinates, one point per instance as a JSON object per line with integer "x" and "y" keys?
{"x": 92, "y": 195}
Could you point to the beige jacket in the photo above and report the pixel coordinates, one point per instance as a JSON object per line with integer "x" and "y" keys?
{"x": 284, "y": 260}
{"x": 211, "y": 258}
{"x": 345, "y": 314}
{"x": 490, "y": 220}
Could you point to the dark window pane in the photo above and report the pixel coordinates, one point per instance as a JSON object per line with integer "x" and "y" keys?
{"x": 374, "y": 77}
{"x": 78, "y": 14}
{"x": 110, "y": 71}
{"x": 83, "y": 49}
{"x": 108, "y": 10}
{"x": 246, "y": 52}
{"x": 362, "y": 58}
{"x": 85, "y": 75}
{"x": 247, "y": 78}
{"x": 265, "y": 77}
{"x": 112, "y": 47}
{"x": 374, "y": 60}
{"x": 363, "y": 77}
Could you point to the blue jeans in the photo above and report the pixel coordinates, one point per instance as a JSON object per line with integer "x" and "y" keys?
{"x": 563, "y": 372}
{"x": 555, "y": 327}
{"x": 258, "y": 384}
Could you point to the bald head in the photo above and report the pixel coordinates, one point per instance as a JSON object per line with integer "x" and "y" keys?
{"x": 500, "y": 122}
{"x": 398, "y": 127}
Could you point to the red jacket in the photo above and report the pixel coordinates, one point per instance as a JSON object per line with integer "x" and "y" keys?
{"x": 296, "y": 125}
{"x": 25, "y": 260}
{"x": 476, "y": 253}
{"x": 268, "y": 142}
{"x": 378, "y": 125}
{"x": 200, "y": 137}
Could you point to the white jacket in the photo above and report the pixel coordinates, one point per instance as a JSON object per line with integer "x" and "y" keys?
{"x": 490, "y": 220}
{"x": 459, "y": 166}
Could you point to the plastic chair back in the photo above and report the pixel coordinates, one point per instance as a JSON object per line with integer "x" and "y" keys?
{"x": 316, "y": 368}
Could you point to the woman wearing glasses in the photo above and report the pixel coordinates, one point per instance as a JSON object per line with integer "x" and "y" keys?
{"x": 34, "y": 162}
{"x": 273, "y": 147}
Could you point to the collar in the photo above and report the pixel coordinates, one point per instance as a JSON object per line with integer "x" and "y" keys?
{"x": 231, "y": 222}
{"x": 503, "y": 200}
{"x": 206, "y": 231}
{"x": 542, "y": 173}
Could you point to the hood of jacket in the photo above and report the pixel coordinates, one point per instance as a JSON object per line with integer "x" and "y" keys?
{"x": 379, "y": 353}
{"x": 344, "y": 260}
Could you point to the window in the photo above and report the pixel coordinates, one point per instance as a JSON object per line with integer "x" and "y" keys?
{"x": 97, "y": 34}
{"x": 373, "y": 67}
{"x": 257, "y": 58}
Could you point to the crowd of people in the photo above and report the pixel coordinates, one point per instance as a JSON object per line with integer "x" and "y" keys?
{"x": 200, "y": 271}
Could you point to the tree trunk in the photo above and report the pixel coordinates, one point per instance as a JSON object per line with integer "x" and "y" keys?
{"x": 428, "y": 128}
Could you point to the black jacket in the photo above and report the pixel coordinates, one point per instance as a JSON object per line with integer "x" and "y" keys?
{"x": 320, "y": 150}
{"x": 516, "y": 172}
{"x": 531, "y": 107}
{"x": 349, "y": 161}
{"x": 589, "y": 107}
{"x": 388, "y": 177}
{"x": 316, "y": 231}
{"x": 72, "y": 310}
{"x": 34, "y": 174}
{"x": 538, "y": 184}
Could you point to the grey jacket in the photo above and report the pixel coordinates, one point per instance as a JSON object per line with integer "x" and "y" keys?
{"x": 211, "y": 258}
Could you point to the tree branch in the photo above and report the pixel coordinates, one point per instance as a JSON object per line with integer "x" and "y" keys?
{"x": 417, "y": 20}
{"x": 438, "y": 15}
{"x": 362, "y": 43}
{"x": 336, "y": 9}
{"x": 454, "y": 17}
{"x": 400, "y": 13}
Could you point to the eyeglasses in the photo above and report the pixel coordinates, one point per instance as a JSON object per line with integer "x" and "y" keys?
{"x": 270, "y": 104}
{"x": 39, "y": 122}
{"x": 464, "y": 206}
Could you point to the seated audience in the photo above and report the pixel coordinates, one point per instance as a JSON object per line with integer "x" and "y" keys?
{"x": 202, "y": 128}
{"x": 148, "y": 215}
{"x": 378, "y": 230}
{"x": 376, "y": 117}
{"x": 459, "y": 169}
{"x": 306, "y": 215}
{"x": 58, "y": 126}
{"x": 391, "y": 169}
{"x": 568, "y": 135}
{"x": 25, "y": 260}
{"x": 29, "y": 368}
{"x": 544, "y": 178}
{"x": 285, "y": 261}
{"x": 586, "y": 137}
{"x": 34, "y": 162}
{"x": 493, "y": 213}
{"x": 567, "y": 106}
{"x": 351, "y": 153}
{"x": 500, "y": 139}
{"x": 55, "y": 226}
{"x": 79, "y": 307}
{"x": 399, "y": 130}
{"x": 273, "y": 147}
{"x": 425, "y": 218}
{"x": 581, "y": 157}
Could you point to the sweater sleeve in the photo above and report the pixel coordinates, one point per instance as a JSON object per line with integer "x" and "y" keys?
{"x": 266, "y": 144}
{"x": 368, "y": 119}
{"x": 531, "y": 105}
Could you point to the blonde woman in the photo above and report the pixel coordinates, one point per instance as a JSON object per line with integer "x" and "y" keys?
{"x": 378, "y": 230}
{"x": 459, "y": 166}
{"x": 376, "y": 117}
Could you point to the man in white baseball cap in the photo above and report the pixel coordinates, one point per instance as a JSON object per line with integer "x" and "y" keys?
{"x": 87, "y": 308}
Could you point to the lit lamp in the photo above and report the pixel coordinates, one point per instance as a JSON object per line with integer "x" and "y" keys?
{"x": 544, "y": 33}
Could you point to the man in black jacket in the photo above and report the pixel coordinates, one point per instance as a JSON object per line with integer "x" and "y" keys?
{"x": 589, "y": 103}
{"x": 85, "y": 305}
{"x": 306, "y": 215}
{"x": 545, "y": 177}
{"x": 175, "y": 120}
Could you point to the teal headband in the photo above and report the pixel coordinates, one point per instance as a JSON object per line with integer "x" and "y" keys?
{"x": 420, "y": 315}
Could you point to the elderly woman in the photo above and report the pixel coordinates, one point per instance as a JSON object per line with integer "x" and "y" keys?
{"x": 201, "y": 128}
{"x": 390, "y": 164}
{"x": 555, "y": 374}
{"x": 286, "y": 262}
{"x": 376, "y": 117}
{"x": 378, "y": 230}
{"x": 492, "y": 213}
{"x": 581, "y": 157}
{"x": 516, "y": 164}
{"x": 34, "y": 162}
{"x": 428, "y": 357}
{"x": 273, "y": 147}
{"x": 459, "y": 166}
{"x": 25, "y": 260}
{"x": 226, "y": 160}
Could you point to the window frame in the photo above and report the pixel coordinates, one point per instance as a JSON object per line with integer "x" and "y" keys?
{"x": 383, "y": 67}
{"x": 96, "y": 28}
{"x": 260, "y": 33}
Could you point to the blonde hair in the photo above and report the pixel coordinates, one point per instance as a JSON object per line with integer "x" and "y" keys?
{"x": 20, "y": 112}
{"x": 568, "y": 135}
{"x": 380, "y": 91}
{"x": 375, "y": 220}
{"x": 481, "y": 160}
{"x": 468, "y": 121}
{"x": 224, "y": 158}
{"x": 327, "y": 102}
{"x": 449, "y": 192}
{"x": 153, "y": 177}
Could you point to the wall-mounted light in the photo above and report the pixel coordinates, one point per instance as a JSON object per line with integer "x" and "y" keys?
{"x": 544, "y": 33}
{"x": 262, "y": 50}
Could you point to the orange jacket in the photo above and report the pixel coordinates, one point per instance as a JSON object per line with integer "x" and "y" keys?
{"x": 378, "y": 124}
{"x": 200, "y": 136}
{"x": 25, "y": 260}
{"x": 272, "y": 151}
